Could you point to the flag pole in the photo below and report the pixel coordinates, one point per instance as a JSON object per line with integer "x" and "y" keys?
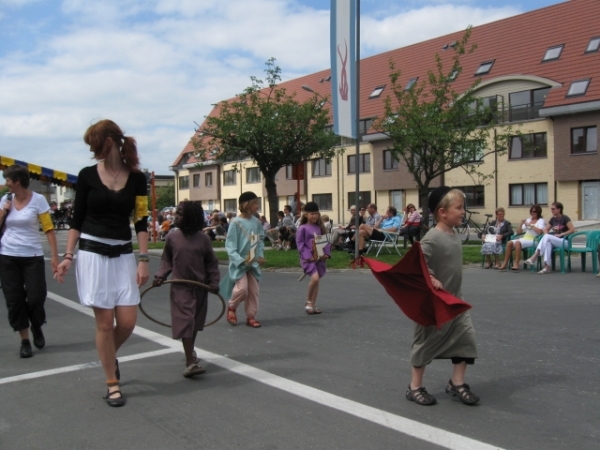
{"x": 357, "y": 162}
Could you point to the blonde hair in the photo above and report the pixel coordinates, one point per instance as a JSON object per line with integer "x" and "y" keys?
{"x": 325, "y": 218}
{"x": 500, "y": 210}
{"x": 448, "y": 199}
{"x": 244, "y": 207}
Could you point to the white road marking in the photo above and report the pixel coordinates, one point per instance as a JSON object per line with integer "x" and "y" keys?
{"x": 395, "y": 422}
{"x": 49, "y": 372}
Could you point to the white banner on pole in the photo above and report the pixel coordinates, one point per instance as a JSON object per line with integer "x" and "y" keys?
{"x": 343, "y": 67}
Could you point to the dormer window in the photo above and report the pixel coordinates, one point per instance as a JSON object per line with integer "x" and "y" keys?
{"x": 578, "y": 88}
{"x": 377, "y": 91}
{"x": 411, "y": 83}
{"x": 485, "y": 67}
{"x": 594, "y": 45}
{"x": 553, "y": 53}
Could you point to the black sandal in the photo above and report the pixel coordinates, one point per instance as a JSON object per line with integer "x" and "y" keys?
{"x": 420, "y": 396}
{"x": 116, "y": 402}
{"x": 463, "y": 392}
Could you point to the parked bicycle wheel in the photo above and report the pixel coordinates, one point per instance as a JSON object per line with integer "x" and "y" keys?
{"x": 464, "y": 231}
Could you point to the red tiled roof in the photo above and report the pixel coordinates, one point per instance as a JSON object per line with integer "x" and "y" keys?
{"x": 516, "y": 44}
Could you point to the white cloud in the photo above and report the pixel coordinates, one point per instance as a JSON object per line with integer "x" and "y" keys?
{"x": 156, "y": 66}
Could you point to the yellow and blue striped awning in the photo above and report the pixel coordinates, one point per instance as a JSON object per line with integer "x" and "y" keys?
{"x": 41, "y": 173}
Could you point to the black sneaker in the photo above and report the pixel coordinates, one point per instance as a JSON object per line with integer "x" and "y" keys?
{"x": 38, "y": 337}
{"x": 25, "y": 351}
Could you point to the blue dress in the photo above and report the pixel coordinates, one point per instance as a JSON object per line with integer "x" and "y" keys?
{"x": 237, "y": 245}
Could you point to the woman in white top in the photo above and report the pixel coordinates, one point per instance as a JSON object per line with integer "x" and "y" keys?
{"x": 22, "y": 266}
{"x": 532, "y": 227}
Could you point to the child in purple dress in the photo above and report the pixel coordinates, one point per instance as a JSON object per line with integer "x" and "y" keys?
{"x": 312, "y": 265}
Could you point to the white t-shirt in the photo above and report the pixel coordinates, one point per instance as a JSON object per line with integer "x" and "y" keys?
{"x": 530, "y": 235}
{"x": 22, "y": 234}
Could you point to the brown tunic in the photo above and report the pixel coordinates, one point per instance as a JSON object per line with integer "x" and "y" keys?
{"x": 456, "y": 338}
{"x": 189, "y": 258}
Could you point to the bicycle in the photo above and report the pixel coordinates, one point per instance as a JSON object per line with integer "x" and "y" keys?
{"x": 469, "y": 226}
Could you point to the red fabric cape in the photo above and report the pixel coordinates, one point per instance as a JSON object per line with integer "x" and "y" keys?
{"x": 409, "y": 285}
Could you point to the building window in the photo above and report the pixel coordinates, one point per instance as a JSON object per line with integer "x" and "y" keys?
{"x": 377, "y": 91}
{"x": 364, "y": 163}
{"x": 364, "y": 125}
{"x": 259, "y": 201}
{"x": 528, "y": 194}
{"x": 578, "y": 88}
{"x": 528, "y": 146}
{"x": 584, "y": 140}
{"x": 253, "y": 175}
{"x": 593, "y": 45}
{"x": 321, "y": 168}
{"x": 525, "y": 105}
{"x": 184, "y": 182}
{"x": 364, "y": 198}
{"x": 553, "y": 53}
{"x": 289, "y": 174}
{"x": 230, "y": 205}
{"x": 474, "y": 195}
{"x": 389, "y": 161}
{"x": 469, "y": 153}
{"x": 229, "y": 177}
{"x": 411, "y": 83}
{"x": 485, "y": 67}
{"x": 196, "y": 180}
{"x": 208, "y": 179}
{"x": 324, "y": 201}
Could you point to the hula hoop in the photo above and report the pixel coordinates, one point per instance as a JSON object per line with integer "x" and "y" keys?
{"x": 197, "y": 283}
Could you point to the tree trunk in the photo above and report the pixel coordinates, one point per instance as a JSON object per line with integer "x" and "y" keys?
{"x": 273, "y": 198}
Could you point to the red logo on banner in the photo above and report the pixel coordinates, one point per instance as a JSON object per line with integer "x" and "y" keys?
{"x": 343, "y": 83}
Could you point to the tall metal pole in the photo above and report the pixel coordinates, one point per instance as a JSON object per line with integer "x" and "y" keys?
{"x": 153, "y": 194}
{"x": 357, "y": 163}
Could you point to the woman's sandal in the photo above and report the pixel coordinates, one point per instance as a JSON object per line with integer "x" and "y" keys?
{"x": 420, "y": 396}
{"x": 110, "y": 401}
{"x": 310, "y": 309}
{"x": 253, "y": 323}
{"x": 463, "y": 392}
{"x": 231, "y": 317}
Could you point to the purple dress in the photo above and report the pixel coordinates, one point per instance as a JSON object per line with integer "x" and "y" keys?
{"x": 304, "y": 240}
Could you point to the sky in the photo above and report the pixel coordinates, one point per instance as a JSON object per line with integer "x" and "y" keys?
{"x": 156, "y": 67}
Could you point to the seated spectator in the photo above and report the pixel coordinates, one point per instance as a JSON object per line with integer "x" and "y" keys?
{"x": 374, "y": 217}
{"x": 327, "y": 223}
{"x": 287, "y": 230}
{"x": 224, "y": 223}
{"x": 532, "y": 227}
{"x": 347, "y": 231}
{"x": 391, "y": 222}
{"x": 215, "y": 230}
{"x": 556, "y": 230}
{"x": 412, "y": 223}
{"x": 502, "y": 229}
{"x": 265, "y": 223}
{"x": 164, "y": 229}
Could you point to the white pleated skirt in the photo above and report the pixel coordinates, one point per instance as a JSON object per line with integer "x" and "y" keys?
{"x": 104, "y": 282}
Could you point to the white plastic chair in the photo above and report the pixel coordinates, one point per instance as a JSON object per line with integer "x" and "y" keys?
{"x": 390, "y": 240}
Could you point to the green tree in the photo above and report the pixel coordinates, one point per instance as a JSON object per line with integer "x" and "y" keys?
{"x": 434, "y": 129}
{"x": 270, "y": 127}
{"x": 165, "y": 196}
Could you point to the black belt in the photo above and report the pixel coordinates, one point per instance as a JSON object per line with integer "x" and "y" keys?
{"x": 112, "y": 251}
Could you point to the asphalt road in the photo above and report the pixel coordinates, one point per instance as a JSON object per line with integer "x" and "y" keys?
{"x": 334, "y": 381}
